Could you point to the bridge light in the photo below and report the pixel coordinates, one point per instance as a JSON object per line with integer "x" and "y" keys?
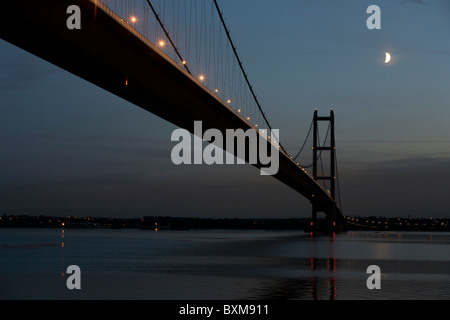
{"x": 201, "y": 77}
{"x": 228, "y": 101}
{"x": 248, "y": 118}
{"x": 133, "y": 19}
{"x": 216, "y": 90}
{"x": 183, "y": 62}
{"x": 161, "y": 43}
{"x": 239, "y": 110}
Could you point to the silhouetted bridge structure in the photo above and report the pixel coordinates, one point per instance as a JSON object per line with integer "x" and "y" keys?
{"x": 111, "y": 53}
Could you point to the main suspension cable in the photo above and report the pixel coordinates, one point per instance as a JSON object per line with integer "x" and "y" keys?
{"x": 243, "y": 70}
{"x": 306, "y": 139}
{"x": 183, "y": 62}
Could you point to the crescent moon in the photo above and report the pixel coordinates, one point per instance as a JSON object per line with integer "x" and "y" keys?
{"x": 388, "y": 58}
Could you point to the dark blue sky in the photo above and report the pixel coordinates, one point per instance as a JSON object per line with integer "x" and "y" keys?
{"x": 70, "y": 148}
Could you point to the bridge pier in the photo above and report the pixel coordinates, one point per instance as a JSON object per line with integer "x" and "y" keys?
{"x": 329, "y": 225}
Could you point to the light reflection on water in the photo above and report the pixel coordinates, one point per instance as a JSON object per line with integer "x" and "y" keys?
{"x": 207, "y": 264}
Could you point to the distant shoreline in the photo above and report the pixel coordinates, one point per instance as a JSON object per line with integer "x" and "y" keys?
{"x": 182, "y": 223}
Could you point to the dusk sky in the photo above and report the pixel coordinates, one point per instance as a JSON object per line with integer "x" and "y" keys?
{"x": 68, "y": 147}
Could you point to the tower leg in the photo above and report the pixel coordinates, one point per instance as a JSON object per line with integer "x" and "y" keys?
{"x": 314, "y": 220}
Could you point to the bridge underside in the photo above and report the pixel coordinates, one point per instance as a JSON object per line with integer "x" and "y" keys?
{"x": 106, "y": 53}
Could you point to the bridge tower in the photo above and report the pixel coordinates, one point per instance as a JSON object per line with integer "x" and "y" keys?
{"x": 331, "y": 220}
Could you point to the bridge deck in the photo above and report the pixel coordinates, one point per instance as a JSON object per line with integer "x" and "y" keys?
{"x": 106, "y": 51}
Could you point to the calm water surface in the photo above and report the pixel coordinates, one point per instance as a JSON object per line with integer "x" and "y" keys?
{"x": 212, "y": 264}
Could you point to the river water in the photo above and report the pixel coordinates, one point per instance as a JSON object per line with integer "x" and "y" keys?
{"x": 216, "y": 264}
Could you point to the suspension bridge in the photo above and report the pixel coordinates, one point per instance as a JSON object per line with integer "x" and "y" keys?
{"x": 177, "y": 60}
